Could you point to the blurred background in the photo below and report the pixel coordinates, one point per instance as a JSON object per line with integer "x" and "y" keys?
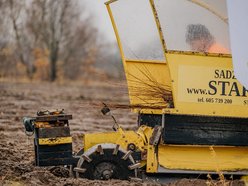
{"x": 57, "y": 40}
{"x": 56, "y": 54}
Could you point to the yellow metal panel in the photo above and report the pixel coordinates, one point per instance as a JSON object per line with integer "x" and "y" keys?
{"x": 144, "y": 75}
{"x": 123, "y": 138}
{"x": 196, "y": 53}
{"x": 55, "y": 141}
{"x": 149, "y": 85}
{"x": 203, "y": 158}
{"x": 152, "y": 162}
{"x": 205, "y": 85}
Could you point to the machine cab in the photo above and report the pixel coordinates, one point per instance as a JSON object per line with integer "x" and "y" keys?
{"x": 177, "y": 57}
{"x": 178, "y": 65}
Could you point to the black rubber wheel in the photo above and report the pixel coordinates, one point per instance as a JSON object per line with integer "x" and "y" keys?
{"x": 106, "y": 165}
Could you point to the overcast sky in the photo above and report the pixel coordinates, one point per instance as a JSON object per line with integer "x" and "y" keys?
{"x": 101, "y": 17}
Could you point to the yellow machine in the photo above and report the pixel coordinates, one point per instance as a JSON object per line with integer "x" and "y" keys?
{"x": 193, "y": 112}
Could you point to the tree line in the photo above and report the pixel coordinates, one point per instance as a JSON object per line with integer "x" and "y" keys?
{"x": 47, "y": 39}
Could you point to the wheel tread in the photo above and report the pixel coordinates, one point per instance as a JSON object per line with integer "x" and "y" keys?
{"x": 127, "y": 155}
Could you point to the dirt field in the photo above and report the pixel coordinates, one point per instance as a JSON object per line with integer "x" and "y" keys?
{"x": 25, "y": 99}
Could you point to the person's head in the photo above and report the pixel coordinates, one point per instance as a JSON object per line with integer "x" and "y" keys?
{"x": 198, "y": 37}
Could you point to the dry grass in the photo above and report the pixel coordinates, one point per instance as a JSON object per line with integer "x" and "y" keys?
{"x": 221, "y": 178}
{"x": 149, "y": 91}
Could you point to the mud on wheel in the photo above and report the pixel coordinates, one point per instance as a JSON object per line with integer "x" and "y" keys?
{"x": 106, "y": 161}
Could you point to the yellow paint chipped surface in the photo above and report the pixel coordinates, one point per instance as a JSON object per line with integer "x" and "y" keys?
{"x": 205, "y": 158}
{"x": 55, "y": 141}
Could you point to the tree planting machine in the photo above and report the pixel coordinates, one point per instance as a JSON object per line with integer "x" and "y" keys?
{"x": 192, "y": 111}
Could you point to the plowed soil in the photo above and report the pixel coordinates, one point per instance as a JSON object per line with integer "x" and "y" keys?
{"x": 83, "y": 102}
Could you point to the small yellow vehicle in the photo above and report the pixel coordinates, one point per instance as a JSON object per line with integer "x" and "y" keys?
{"x": 193, "y": 112}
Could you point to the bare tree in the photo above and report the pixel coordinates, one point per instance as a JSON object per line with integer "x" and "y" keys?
{"x": 2, "y": 25}
{"x": 6, "y": 64}
{"x": 17, "y": 13}
{"x": 56, "y": 33}
{"x": 78, "y": 52}
{"x": 53, "y": 23}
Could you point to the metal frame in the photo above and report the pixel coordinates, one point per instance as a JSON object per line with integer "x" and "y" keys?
{"x": 119, "y": 40}
{"x": 203, "y": 5}
{"x": 159, "y": 28}
{"x": 115, "y": 28}
{"x": 161, "y": 35}
{"x": 144, "y": 61}
{"x": 199, "y": 53}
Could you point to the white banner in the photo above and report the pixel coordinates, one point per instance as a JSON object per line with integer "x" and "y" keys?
{"x": 238, "y": 25}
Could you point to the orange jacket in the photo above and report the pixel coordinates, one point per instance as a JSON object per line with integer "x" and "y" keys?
{"x": 217, "y": 48}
